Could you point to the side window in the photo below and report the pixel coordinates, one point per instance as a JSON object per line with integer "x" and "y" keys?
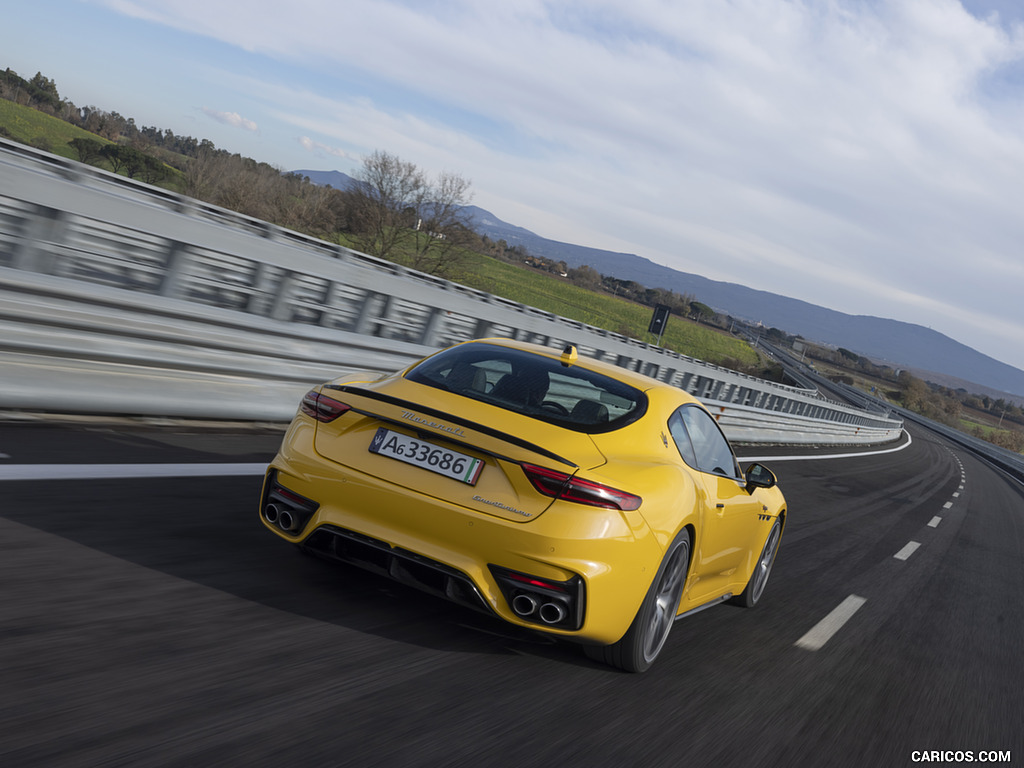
{"x": 682, "y": 439}
{"x": 710, "y": 447}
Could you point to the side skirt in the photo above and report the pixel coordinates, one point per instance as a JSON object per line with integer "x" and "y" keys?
{"x": 699, "y": 608}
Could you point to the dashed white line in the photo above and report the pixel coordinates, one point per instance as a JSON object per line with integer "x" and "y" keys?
{"x": 908, "y": 550}
{"x": 935, "y": 522}
{"x": 956, "y": 495}
{"x": 947, "y": 505}
{"x": 124, "y": 471}
{"x": 823, "y": 631}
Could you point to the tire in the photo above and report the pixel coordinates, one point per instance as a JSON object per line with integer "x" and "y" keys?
{"x": 646, "y": 636}
{"x": 751, "y": 595}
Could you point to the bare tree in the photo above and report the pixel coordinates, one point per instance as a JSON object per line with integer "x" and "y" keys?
{"x": 201, "y": 173}
{"x": 386, "y": 199}
{"x": 586, "y": 276}
{"x": 398, "y": 213}
{"x": 443, "y": 226}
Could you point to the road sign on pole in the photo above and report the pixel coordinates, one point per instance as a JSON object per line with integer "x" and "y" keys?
{"x": 659, "y": 320}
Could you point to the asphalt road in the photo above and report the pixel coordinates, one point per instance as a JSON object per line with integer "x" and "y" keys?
{"x": 152, "y": 621}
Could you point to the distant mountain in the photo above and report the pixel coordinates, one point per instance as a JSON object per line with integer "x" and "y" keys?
{"x": 335, "y": 179}
{"x": 900, "y": 344}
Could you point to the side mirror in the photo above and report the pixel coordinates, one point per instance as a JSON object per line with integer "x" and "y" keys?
{"x": 759, "y": 476}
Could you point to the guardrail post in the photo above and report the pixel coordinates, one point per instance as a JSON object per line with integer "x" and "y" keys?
{"x": 42, "y": 227}
{"x": 432, "y": 326}
{"x": 387, "y": 307}
{"x": 281, "y": 308}
{"x": 330, "y": 299}
{"x": 264, "y": 291}
{"x": 482, "y": 329}
{"x": 176, "y": 265}
{"x": 364, "y": 322}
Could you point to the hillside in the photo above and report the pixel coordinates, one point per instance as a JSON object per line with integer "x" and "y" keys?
{"x": 46, "y": 132}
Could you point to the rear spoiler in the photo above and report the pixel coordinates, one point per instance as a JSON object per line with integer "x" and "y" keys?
{"x": 438, "y": 431}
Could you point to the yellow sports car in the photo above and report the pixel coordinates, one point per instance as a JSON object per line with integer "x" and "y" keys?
{"x": 559, "y": 493}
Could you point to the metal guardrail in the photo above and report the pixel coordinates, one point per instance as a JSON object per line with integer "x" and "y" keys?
{"x": 1008, "y": 462}
{"x": 119, "y": 297}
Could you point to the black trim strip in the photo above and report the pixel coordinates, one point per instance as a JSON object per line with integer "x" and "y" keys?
{"x": 490, "y": 431}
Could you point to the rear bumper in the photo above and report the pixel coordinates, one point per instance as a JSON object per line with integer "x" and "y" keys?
{"x": 403, "y": 566}
{"x": 449, "y": 551}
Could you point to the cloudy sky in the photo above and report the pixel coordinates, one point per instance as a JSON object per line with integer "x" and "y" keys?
{"x": 864, "y": 155}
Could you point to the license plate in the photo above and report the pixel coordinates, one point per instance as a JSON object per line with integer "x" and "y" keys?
{"x": 420, "y": 453}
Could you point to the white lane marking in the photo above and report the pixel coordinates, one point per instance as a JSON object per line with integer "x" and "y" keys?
{"x": 935, "y": 522}
{"x": 124, "y": 471}
{"x": 956, "y": 495}
{"x": 947, "y": 505}
{"x": 907, "y": 551}
{"x": 822, "y": 632}
{"x": 812, "y": 457}
{"x": 4, "y": 456}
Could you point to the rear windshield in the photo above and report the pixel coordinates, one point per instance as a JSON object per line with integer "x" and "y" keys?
{"x": 534, "y": 385}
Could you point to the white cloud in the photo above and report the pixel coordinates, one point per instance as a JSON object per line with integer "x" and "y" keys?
{"x": 231, "y": 118}
{"x": 318, "y": 148}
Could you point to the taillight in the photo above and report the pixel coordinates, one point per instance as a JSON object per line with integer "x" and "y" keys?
{"x": 321, "y": 407}
{"x": 559, "y": 485}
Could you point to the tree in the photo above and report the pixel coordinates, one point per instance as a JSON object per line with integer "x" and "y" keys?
{"x": 152, "y": 169}
{"x": 915, "y": 391}
{"x": 586, "y": 276}
{"x": 113, "y": 154}
{"x": 122, "y": 158}
{"x": 46, "y": 88}
{"x": 443, "y": 226}
{"x": 201, "y": 173}
{"x": 702, "y": 310}
{"x": 386, "y": 199}
{"x": 397, "y": 213}
{"x": 87, "y": 149}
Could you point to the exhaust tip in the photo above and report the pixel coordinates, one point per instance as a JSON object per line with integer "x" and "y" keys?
{"x": 553, "y": 613}
{"x": 286, "y": 520}
{"x": 524, "y": 605}
{"x": 271, "y": 513}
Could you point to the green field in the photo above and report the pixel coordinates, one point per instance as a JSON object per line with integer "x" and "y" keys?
{"x": 987, "y": 431}
{"x": 520, "y": 284}
{"x": 31, "y": 126}
{"x": 553, "y": 294}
